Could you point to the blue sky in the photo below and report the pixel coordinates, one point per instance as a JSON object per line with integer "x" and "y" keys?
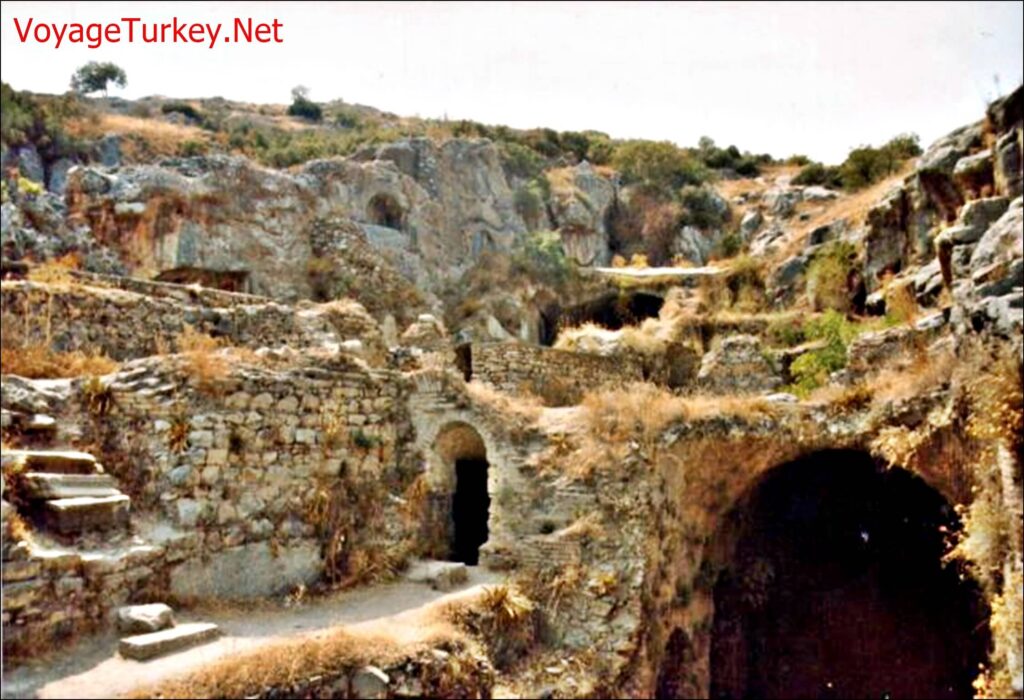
{"x": 769, "y": 77}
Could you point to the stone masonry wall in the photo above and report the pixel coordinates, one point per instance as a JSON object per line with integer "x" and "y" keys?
{"x": 264, "y": 481}
{"x": 125, "y": 324}
{"x": 560, "y": 378}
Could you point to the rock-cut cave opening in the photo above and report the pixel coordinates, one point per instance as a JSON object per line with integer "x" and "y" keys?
{"x": 836, "y": 587}
{"x": 460, "y": 446}
{"x": 384, "y": 210}
{"x": 612, "y": 310}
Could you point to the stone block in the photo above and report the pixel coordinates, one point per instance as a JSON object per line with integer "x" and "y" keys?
{"x": 148, "y": 646}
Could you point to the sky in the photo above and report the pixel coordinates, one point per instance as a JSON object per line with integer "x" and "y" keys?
{"x": 779, "y": 78}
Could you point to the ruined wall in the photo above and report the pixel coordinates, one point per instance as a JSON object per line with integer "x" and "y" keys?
{"x": 559, "y": 377}
{"x": 124, "y": 324}
{"x": 244, "y": 487}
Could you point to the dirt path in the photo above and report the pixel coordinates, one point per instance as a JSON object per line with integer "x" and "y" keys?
{"x": 93, "y": 669}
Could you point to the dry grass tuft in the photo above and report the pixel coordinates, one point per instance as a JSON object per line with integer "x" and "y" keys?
{"x": 524, "y": 410}
{"x": 206, "y": 365}
{"x": 40, "y": 362}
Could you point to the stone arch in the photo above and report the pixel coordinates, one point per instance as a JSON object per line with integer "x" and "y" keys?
{"x": 830, "y": 582}
{"x": 384, "y": 210}
{"x": 463, "y": 455}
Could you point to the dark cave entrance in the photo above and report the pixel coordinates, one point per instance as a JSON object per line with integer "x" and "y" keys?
{"x": 470, "y": 508}
{"x": 384, "y": 210}
{"x": 460, "y": 446}
{"x": 835, "y": 588}
{"x": 612, "y": 310}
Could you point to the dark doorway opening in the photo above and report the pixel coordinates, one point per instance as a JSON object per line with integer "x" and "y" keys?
{"x": 470, "y": 510}
{"x": 835, "y": 587}
{"x": 612, "y": 311}
{"x": 384, "y": 210}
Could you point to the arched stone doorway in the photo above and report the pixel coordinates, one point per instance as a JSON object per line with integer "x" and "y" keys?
{"x": 384, "y": 210}
{"x": 464, "y": 454}
{"x": 834, "y": 586}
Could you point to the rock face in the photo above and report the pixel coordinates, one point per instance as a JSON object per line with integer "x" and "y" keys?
{"x": 227, "y": 215}
{"x": 248, "y": 571}
{"x": 580, "y": 205}
{"x": 738, "y": 366}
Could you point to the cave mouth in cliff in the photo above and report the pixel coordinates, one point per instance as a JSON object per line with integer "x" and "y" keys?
{"x": 835, "y": 587}
{"x": 225, "y": 280}
{"x": 384, "y": 210}
{"x": 612, "y": 310}
{"x": 460, "y": 445}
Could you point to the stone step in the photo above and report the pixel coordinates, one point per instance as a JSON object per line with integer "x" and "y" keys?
{"x": 440, "y": 575}
{"x": 73, "y": 515}
{"x": 43, "y": 486}
{"x": 28, "y": 422}
{"x": 53, "y": 461}
{"x": 147, "y": 646}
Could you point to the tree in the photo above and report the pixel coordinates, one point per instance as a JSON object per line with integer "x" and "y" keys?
{"x": 304, "y": 107}
{"x": 94, "y": 76}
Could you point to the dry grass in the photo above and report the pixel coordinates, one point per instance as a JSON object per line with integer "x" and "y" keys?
{"x": 280, "y": 664}
{"x": 40, "y": 362}
{"x": 161, "y": 138}
{"x": 525, "y": 410}
{"x": 204, "y": 362}
{"x": 852, "y": 207}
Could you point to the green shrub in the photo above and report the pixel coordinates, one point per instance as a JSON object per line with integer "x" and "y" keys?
{"x": 829, "y": 276}
{"x": 812, "y": 369}
{"x": 529, "y": 202}
{"x": 519, "y": 161}
{"x": 542, "y": 256}
{"x": 40, "y": 120}
{"x": 818, "y": 174}
{"x": 183, "y": 108}
{"x": 305, "y": 109}
{"x": 658, "y": 164}
{"x": 702, "y": 208}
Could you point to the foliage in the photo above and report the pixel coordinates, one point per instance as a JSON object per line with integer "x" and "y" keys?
{"x": 818, "y": 174}
{"x": 863, "y": 166}
{"x": 729, "y": 158}
{"x": 185, "y": 109}
{"x": 94, "y": 76}
{"x": 304, "y": 107}
{"x": 39, "y": 120}
{"x": 702, "y": 208}
{"x": 812, "y": 369}
{"x": 542, "y": 256}
{"x": 829, "y": 276}
{"x": 520, "y": 161}
{"x": 529, "y": 201}
{"x": 658, "y": 164}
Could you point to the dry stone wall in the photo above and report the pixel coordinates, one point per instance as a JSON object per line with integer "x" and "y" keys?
{"x": 560, "y": 378}
{"x": 124, "y": 324}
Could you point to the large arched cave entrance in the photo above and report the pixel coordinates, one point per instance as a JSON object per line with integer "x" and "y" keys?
{"x": 834, "y": 586}
{"x": 612, "y": 310}
{"x": 462, "y": 449}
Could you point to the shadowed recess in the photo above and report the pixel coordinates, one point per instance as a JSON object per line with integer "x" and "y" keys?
{"x": 836, "y": 588}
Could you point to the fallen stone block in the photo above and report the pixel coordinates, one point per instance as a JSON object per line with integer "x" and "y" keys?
{"x": 143, "y": 619}
{"x": 440, "y": 575}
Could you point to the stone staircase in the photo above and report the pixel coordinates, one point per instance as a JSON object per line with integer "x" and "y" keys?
{"x": 66, "y": 494}
{"x": 67, "y": 491}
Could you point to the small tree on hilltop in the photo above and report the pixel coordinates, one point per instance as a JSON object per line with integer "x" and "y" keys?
{"x": 304, "y": 107}
{"x": 94, "y": 76}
